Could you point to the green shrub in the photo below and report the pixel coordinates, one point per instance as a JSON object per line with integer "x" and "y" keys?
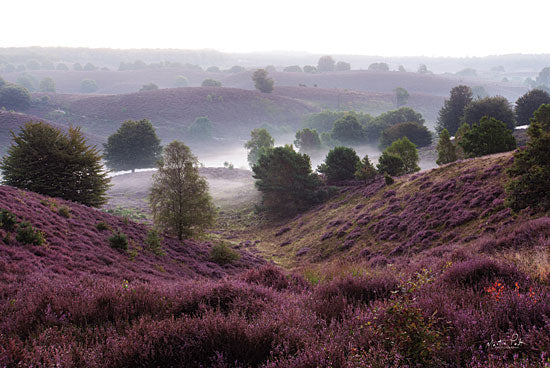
{"x": 8, "y": 220}
{"x": 222, "y": 254}
{"x": 26, "y": 234}
{"x": 390, "y": 165}
{"x": 102, "y": 226}
{"x": 340, "y": 164}
{"x": 118, "y": 241}
{"x": 154, "y": 241}
{"x": 487, "y": 137}
{"x": 64, "y": 211}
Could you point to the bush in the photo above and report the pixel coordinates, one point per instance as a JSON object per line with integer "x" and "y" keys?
{"x": 26, "y": 234}
{"x": 340, "y": 164}
{"x": 149, "y": 87}
{"x": 307, "y": 140}
{"x": 154, "y": 242}
{"x": 364, "y": 170}
{"x": 487, "y": 137}
{"x": 260, "y": 142}
{"x": 64, "y": 211}
{"x": 14, "y": 97}
{"x": 201, "y": 129}
{"x": 390, "y": 165}
{"x": 102, "y": 226}
{"x": 325, "y": 64}
{"x": 119, "y": 241}
{"x": 8, "y": 220}
{"x": 478, "y": 273}
{"x": 262, "y": 82}
{"x": 211, "y": 83}
{"x": 292, "y": 69}
{"x": 416, "y": 133}
{"x": 222, "y": 254}
{"x": 47, "y": 85}
{"x": 406, "y": 151}
{"x": 181, "y": 81}
{"x": 88, "y": 86}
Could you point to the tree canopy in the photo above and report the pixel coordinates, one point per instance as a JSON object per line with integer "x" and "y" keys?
{"x": 450, "y": 115}
{"x": 347, "y": 130}
{"x": 14, "y": 97}
{"x": 88, "y": 86}
{"x": 201, "y": 129}
{"x": 494, "y": 107}
{"x": 405, "y": 150}
{"x": 211, "y": 83}
{"x": 417, "y": 133}
{"x": 260, "y": 141}
{"x": 47, "y": 85}
{"x": 307, "y": 141}
{"x": 530, "y": 102}
{"x": 401, "y": 96}
{"x": 486, "y": 137}
{"x": 326, "y": 64}
{"x": 134, "y": 145}
{"x": 44, "y": 160}
{"x": 262, "y": 82}
{"x": 446, "y": 150}
{"x": 340, "y": 164}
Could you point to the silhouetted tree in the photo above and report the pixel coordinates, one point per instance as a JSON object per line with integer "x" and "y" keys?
{"x": 310, "y": 69}
{"x": 292, "y": 69}
{"x": 365, "y": 170}
{"x": 544, "y": 77}
{"x": 452, "y": 112}
{"x": 530, "y": 102}
{"x": 380, "y": 67}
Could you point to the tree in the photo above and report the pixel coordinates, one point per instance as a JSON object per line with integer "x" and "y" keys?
{"x": 135, "y": 145}
{"x": 149, "y": 87}
{"x": 260, "y": 142}
{"x": 325, "y": 64}
{"x": 44, "y": 160}
{"x": 488, "y": 136}
{"x": 213, "y": 69}
{"x": 365, "y": 170}
{"x": 211, "y": 83}
{"x": 77, "y": 67}
{"x": 423, "y": 69}
{"x": 530, "y": 171}
{"x": 62, "y": 66}
{"x": 374, "y": 129}
{"x": 467, "y": 73}
{"x": 494, "y": 107}
{"x": 479, "y": 92}
{"x": 201, "y": 129}
{"x": 47, "y": 85}
{"x": 285, "y": 179}
{"x": 407, "y": 152}
{"x": 89, "y": 67}
{"x": 14, "y": 97}
{"x": 544, "y": 77}
{"x": 402, "y": 69}
{"x": 340, "y": 164}
{"x": 530, "y": 102}
{"x": 27, "y": 81}
{"x": 323, "y": 121}
{"x": 236, "y": 69}
{"x": 262, "y": 82}
{"x": 2, "y": 82}
{"x": 418, "y": 134}
{"x": 33, "y": 64}
{"x": 446, "y": 150}
{"x": 348, "y": 130}
{"x": 292, "y": 69}
{"x": 310, "y": 69}
{"x": 379, "y": 67}
{"x": 401, "y": 96}
{"x": 88, "y": 86}
{"x": 307, "y": 140}
{"x": 181, "y": 81}
{"x": 180, "y": 203}
{"x": 342, "y": 66}
{"x": 450, "y": 115}
{"x": 390, "y": 164}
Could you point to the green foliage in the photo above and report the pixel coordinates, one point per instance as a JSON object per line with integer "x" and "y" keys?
{"x": 44, "y": 160}
{"x": 530, "y": 172}
{"x": 323, "y": 121}
{"x": 102, "y": 226}
{"x": 262, "y": 82}
{"x": 8, "y": 220}
{"x": 379, "y": 67}
{"x": 487, "y": 137}
{"x": 374, "y": 129}
{"x": 201, "y": 129}
{"x": 307, "y": 140}
{"x": 211, "y": 83}
{"x": 479, "y": 92}
{"x": 154, "y": 242}
{"x": 27, "y": 81}
{"x": 179, "y": 198}
{"x": 47, "y": 85}
{"x": 88, "y": 86}
{"x": 467, "y": 72}
{"x": 418, "y": 134}
{"x": 222, "y": 254}
{"x": 260, "y": 142}
{"x": 26, "y": 234}
{"x": 149, "y": 87}
{"x": 403, "y": 149}
{"x": 64, "y": 211}
{"x": 527, "y": 104}
{"x": 14, "y": 97}
{"x": 119, "y": 241}
{"x": 285, "y": 179}
{"x": 388, "y": 179}
{"x": 494, "y": 107}
{"x": 325, "y": 64}
{"x": 62, "y": 66}
{"x": 347, "y": 130}
{"x": 446, "y": 150}
{"x": 213, "y": 69}
{"x": 340, "y": 164}
{"x": 450, "y": 115}
{"x": 181, "y": 81}
{"x": 134, "y": 145}
{"x": 89, "y": 67}
{"x": 342, "y": 66}
{"x": 364, "y": 170}
{"x": 401, "y": 96}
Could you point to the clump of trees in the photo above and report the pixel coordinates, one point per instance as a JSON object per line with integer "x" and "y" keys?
{"x": 179, "y": 197}
{"x": 149, "y": 87}
{"x": 88, "y": 86}
{"x": 307, "y": 141}
{"x": 134, "y": 145}
{"x": 47, "y": 85}
{"x": 348, "y": 130}
{"x": 415, "y": 132}
{"x": 14, "y": 97}
{"x": 379, "y": 67}
{"x": 530, "y": 172}
{"x": 365, "y": 170}
{"x": 486, "y": 137}
{"x": 494, "y": 107}
{"x": 326, "y": 64}
{"x": 401, "y": 96}
{"x": 530, "y": 102}
{"x": 292, "y": 69}
{"x": 340, "y": 164}
{"x": 262, "y": 82}
{"x": 259, "y": 143}
{"x": 211, "y": 83}
{"x": 181, "y": 81}
{"x": 45, "y": 160}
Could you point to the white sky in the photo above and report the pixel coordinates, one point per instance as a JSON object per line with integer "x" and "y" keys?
{"x": 380, "y": 27}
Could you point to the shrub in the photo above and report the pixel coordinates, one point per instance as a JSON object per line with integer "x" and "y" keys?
{"x": 340, "y": 164}
{"x": 201, "y": 129}
{"x": 222, "y": 254}
{"x": 390, "y": 165}
{"x": 149, "y": 87}
{"x": 211, "y": 83}
{"x": 326, "y": 64}
{"x": 102, "y": 226}
{"x": 26, "y": 234}
{"x": 478, "y": 273}
{"x": 260, "y": 142}
{"x": 181, "y": 81}
{"x": 262, "y": 82}
{"x": 446, "y": 150}
{"x": 88, "y": 86}
{"x": 487, "y": 137}
{"x": 273, "y": 277}
{"x": 14, "y": 97}
{"x": 64, "y": 211}
{"x": 8, "y": 220}
{"x": 119, "y": 241}
{"x": 307, "y": 140}
{"x": 154, "y": 241}
{"x": 47, "y": 85}
{"x": 388, "y": 179}
{"x": 348, "y": 130}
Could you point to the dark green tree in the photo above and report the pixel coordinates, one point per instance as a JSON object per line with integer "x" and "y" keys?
{"x": 450, "y": 115}
{"x": 211, "y": 83}
{"x": 418, "y": 134}
{"x": 407, "y": 152}
{"x": 47, "y": 85}
{"x": 287, "y": 184}
{"x": 262, "y": 82}
{"x": 347, "y": 130}
{"x": 365, "y": 170}
{"x": 340, "y": 164}
{"x": 260, "y": 142}
{"x": 44, "y": 160}
{"x": 135, "y": 145}
{"x": 530, "y": 102}
{"x": 201, "y": 129}
{"x": 310, "y": 69}
{"x": 374, "y": 128}
{"x": 180, "y": 202}
{"x": 307, "y": 141}
{"x": 494, "y": 107}
{"x": 486, "y": 137}
{"x": 530, "y": 173}
{"x": 14, "y": 97}
{"x": 325, "y": 64}
{"x": 390, "y": 164}
{"x": 446, "y": 150}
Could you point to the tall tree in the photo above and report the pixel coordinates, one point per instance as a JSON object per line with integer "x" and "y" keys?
{"x": 259, "y": 143}
{"x": 44, "y": 160}
{"x": 494, "y": 107}
{"x": 262, "y": 82}
{"x": 486, "y": 137}
{"x": 407, "y": 152}
{"x": 348, "y": 130}
{"x": 446, "y": 150}
{"x": 179, "y": 197}
{"x": 340, "y": 164}
{"x": 326, "y": 64}
{"x": 307, "y": 141}
{"x": 47, "y": 85}
{"x": 401, "y": 96}
{"x": 530, "y": 102}
{"x": 135, "y": 145}
{"x": 450, "y": 115}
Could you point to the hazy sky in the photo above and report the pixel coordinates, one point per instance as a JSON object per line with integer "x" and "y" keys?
{"x": 381, "y": 27}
